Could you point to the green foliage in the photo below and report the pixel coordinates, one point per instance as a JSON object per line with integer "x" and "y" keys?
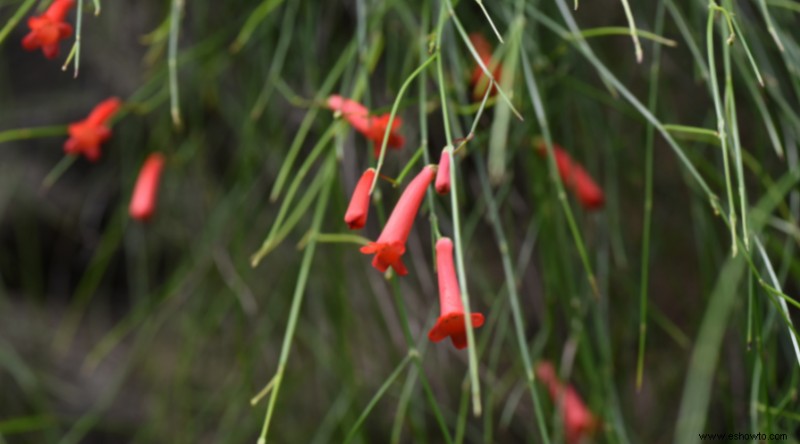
{"x": 243, "y": 311}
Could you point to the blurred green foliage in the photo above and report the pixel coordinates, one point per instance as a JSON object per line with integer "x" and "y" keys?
{"x": 117, "y": 331}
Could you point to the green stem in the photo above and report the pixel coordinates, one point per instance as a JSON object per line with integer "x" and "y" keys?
{"x": 12, "y": 22}
{"x": 172, "y": 61}
{"x": 396, "y": 104}
{"x": 299, "y": 291}
{"x": 723, "y": 138}
{"x": 459, "y": 246}
{"x": 648, "y": 201}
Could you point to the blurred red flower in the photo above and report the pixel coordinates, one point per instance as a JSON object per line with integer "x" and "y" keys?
{"x": 372, "y": 127}
{"x": 48, "y": 29}
{"x": 589, "y": 194}
{"x": 145, "y": 192}
{"x": 578, "y": 420}
{"x": 86, "y": 136}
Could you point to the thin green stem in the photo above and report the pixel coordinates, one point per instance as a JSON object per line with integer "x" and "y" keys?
{"x": 513, "y": 298}
{"x": 634, "y": 32}
{"x": 396, "y": 104}
{"x": 606, "y": 31}
{"x": 32, "y": 133}
{"x": 648, "y": 201}
{"x": 172, "y": 61}
{"x": 299, "y": 291}
{"x": 541, "y": 116}
{"x": 459, "y": 246}
{"x": 259, "y": 14}
{"x": 723, "y": 138}
{"x": 12, "y": 22}
{"x": 269, "y": 241}
{"x": 730, "y": 108}
{"x": 305, "y": 127}
{"x": 379, "y": 394}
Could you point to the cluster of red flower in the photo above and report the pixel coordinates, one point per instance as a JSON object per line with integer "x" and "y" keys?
{"x": 86, "y": 136}
{"x": 391, "y": 244}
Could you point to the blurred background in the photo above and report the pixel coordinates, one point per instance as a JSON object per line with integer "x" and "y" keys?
{"x": 113, "y": 330}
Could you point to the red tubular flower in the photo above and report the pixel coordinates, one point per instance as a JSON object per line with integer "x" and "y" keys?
{"x": 145, "y": 192}
{"x": 391, "y": 244}
{"x": 443, "y": 175}
{"x": 578, "y": 420}
{"x": 86, "y": 136}
{"x": 477, "y": 81}
{"x": 372, "y": 127}
{"x": 49, "y": 28}
{"x": 576, "y": 178}
{"x": 452, "y": 321}
{"x": 356, "y": 215}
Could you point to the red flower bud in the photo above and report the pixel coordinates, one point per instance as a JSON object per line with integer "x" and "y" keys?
{"x": 578, "y": 420}
{"x": 356, "y": 215}
{"x": 443, "y": 175}
{"x": 48, "y": 29}
{"x": 452, "y": 321}
{"x": 589, "y": 194}
{"x": 145, "y": 192}
{"x": 391, "y": 244}
{"x": 86, "y": 136}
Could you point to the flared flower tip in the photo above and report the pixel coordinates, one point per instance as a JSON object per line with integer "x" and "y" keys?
{"x": 356, "y": 215}
{"x": 454, "y": 325}
{"x": 387, "y": 255}
{"x": 442, "y": 183}
{"x": 145, "y": 192}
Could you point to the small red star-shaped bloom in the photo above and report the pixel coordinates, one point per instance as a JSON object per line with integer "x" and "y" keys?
{"x": 391, "y": 244}
{"x": 589, "y": 194}
{"x": 86, "y": 136}
{"x": 145, "y": 192}
{"x": 442, "y": 184}
{"x": 579, "y": 422}
{"x": 48, "y": 29}
{"x": 356, "y": 215}
{"x": 452, "y": 321}
{"x": 372, "y": 127}
{"x": 478, "y": 80}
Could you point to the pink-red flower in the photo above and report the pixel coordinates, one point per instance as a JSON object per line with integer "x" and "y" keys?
{"x": 578, "y": 420}
{"x": 372, "y": 127}
{"x": 479, "y": 82}
{"x": 452, "y": 321}
{"x": 145, "y": 192}
{"x": 48, "y": 29}
{"x": 442, "y": 184}
{"x": 86, "y": 136}
{"x": 391, "y": 244}
{"x": 356, "y": 215}
{"x": 589, "y": 194}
